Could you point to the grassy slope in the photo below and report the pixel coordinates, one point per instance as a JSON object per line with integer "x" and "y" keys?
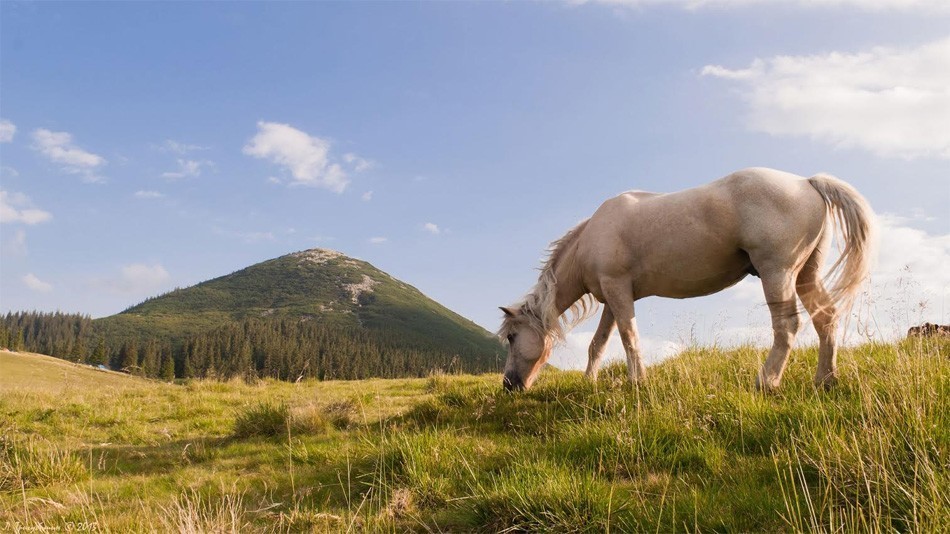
{"x": 30, "y": 372}
{"x": 695, "y": 449}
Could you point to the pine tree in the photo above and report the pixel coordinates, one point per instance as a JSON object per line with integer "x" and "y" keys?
{"x": 128, "y": 358}
{"x": 151, "y": 360}
{"x": 79, "y": 352}
{"x": 187, "y": 369}
{"x": 99, "y": 356}
{"x": 168, "y": 368}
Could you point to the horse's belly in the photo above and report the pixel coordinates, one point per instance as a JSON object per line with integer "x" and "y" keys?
{"x": 683, "y": 289}
{"x": 693, "y": 278}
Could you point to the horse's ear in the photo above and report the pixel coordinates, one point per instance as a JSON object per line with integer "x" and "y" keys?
{"x": 508, "y": 311}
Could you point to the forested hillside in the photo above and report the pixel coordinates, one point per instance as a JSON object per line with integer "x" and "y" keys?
{"x": 314, "y": 313}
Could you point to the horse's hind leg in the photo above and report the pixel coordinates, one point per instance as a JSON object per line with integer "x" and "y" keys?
{"x": 596, "y": 351}
{"x": 823, "y": 315}
{"x": 779, "y": 286}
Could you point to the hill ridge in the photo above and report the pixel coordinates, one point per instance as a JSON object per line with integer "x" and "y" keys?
{"x": 323, "y": 286}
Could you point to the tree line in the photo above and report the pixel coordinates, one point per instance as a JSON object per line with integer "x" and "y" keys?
{"x": 281, "y": 348}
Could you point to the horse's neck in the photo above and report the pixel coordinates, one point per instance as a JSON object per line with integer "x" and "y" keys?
{"x": 569, "y": 287}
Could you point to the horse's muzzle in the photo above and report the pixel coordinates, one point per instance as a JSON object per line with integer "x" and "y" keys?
{"x": 512, "y": 383}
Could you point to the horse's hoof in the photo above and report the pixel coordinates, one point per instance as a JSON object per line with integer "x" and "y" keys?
{"x": 766, "y": 386}
{"x": 827, "y": 382}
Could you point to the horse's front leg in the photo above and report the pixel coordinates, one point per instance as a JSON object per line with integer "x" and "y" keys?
{"x": 619, "y": 297}
{"x": 596, "y": 350}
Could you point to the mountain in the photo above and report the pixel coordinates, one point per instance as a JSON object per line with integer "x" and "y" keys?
{"x": 320, "y": 288}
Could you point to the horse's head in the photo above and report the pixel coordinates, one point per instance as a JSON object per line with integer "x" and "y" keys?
{"x": 528, "y": 348}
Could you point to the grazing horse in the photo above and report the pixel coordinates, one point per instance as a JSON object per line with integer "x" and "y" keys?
{"x": 764, "y": 222}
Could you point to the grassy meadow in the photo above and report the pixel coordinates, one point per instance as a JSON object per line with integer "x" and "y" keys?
{"x": 695, "y": 449}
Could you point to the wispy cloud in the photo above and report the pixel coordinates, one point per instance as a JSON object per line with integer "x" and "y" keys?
{"x": 432, "y": 228}
{"x": 255, "y": 237}
{"x": 17, "y": 208}
{"x": 59, "y": 148}
{"x": 7, "y": 131}
{"x": 148, "y": 194}
{"x": 892, "y": 102}
{"x": 305, "y": 157}
{"x": 31, "y": 281}
{"x": 248, "y": 237}
{"x": 358, "y": 164}
{"x": 139, "y": 279}
{"x": 179, "y": 148}
{"x": 16, "y": 246}
{"x": 367, "y": 196}
{"x": 378, "y": 240}
{"x": 187, "y": 168}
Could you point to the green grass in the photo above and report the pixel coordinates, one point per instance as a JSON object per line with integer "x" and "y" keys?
{"x": 695, "y": 449}
{"x": 38, "y": 373}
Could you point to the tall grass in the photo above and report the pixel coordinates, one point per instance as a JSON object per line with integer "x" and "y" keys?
{"x": 888, "y": 469}
{"x": 28, "y": 462}
{"x": 193, "y": 513}
{"x": 694, "y": 449}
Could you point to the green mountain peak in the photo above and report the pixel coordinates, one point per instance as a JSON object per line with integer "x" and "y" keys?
{"x": 317, "y": 285}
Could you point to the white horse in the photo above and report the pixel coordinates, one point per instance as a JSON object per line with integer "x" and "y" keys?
{"x": 764, "y": 222}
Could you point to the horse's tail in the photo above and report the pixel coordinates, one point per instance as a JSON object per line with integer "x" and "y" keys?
{"x": 852, "y": 222}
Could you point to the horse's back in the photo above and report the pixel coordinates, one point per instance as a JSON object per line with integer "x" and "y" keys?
{"x": 677, "y": 244}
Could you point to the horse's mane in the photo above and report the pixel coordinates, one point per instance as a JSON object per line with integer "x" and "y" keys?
{"x": 539, "y": 307}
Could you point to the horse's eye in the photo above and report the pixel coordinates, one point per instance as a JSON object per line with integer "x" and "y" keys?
{"x": 511, "y": 337}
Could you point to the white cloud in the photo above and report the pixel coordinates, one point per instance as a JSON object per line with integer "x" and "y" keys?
{"x": 17, "y": 208}
{"x": 7, "y": 131}
{"x": 306, "y": 157}
{"x": 139, "y": 278}
{"x": 59, "y": 148}
{"x": 432, "y": 228}
{"x": 187, "y": 168}
{"x": 367, "y": 196}
{"x": 750, "y": 73}
{"x": 359, "y": 164}
{"x": 863, "y": 5}
{"x": 31, "y": 281}
{"x": 889, "y": 101}
{"x": 378, "y": 240}
{"x": 148, "y": 194}
{"x": 911, "y": 282}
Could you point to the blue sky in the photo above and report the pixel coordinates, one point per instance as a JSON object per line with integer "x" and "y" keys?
{"x": 152, "y": 145}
